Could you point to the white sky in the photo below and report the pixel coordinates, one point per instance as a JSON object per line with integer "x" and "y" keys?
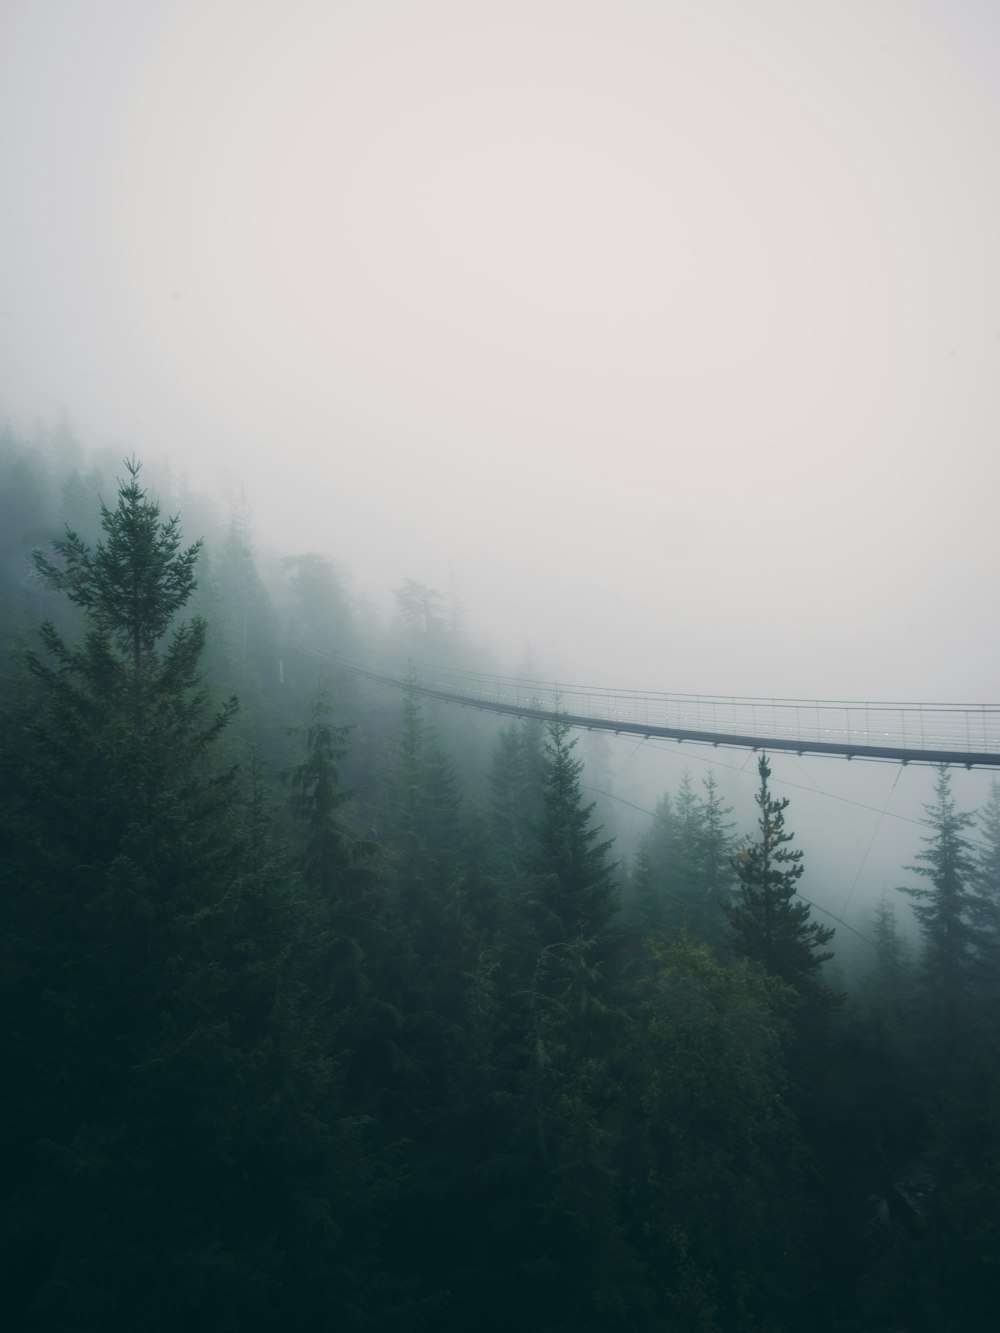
{"x": 668, "y": 334}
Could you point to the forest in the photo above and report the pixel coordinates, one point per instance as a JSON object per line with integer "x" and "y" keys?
{"x": 327, "y": 1008}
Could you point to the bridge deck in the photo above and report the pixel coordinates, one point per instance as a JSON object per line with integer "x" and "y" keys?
{"x": 964, "y": 735}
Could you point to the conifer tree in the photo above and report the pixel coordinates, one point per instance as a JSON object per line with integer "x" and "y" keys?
{"x": 130, "y": 587}
{"x": 516, "y": 781}
{"x": 318, "y": 800}
{"x": 768, "y": 924}
{"x": 176, "y": 1149}
{"x": 654, "y": 903}
{"x": 421, "y": 827}
{"x": 945, "y": 907}
{"x": 714, "y": 865}
{"x": 427, "y": 911}
{"x": 716, "y": 1162}
{"x": 986, "y": 904}
{"x": 344, "y": 908}
{"x": 243, "y": 652}
{"x": 576, "y": 897}
{"x": 564, "y": 1034}
{"x": 683, "y": 873}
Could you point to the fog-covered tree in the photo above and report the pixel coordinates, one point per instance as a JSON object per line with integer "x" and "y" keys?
{"x": 891, "y": 966}
{"x": 944, "y": 906}
{"x": 768, "y": 923}
{"x": 986, "y": 904}
{"x": 683, "y": 875}
{"x": 714, "y": 878}
{"x": 130, "y": 587}
{"x": 516, "y": 786}
{"x": 653, "y": 904}
{"x": 422, "y": 611}
{"x": 175, "y": 1154}
{"x": 576, "y": 895}
{"x": 716, "y": 1164}
{"x": 320, "y": 607}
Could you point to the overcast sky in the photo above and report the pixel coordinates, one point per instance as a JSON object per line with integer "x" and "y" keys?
{"x": 666, "y": 334}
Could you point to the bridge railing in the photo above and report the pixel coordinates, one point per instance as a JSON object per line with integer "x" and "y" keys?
{"x": 970, "y": 729}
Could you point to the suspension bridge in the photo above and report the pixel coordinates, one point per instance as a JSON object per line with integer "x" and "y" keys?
{"x": 966, "y": 735}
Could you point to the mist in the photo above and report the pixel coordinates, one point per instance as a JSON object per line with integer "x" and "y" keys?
{"x": 663, "y": 341}
{"x": 667, "y": 340}
{"x": 659, "y": 340}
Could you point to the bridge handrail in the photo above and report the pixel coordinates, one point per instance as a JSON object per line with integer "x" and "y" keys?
{"x": 966, "y": 734}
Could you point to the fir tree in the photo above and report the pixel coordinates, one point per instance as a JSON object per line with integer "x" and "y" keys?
{"x": 716, "y": 1162}
{"x": 768, "y": 924}
{"x": 176, "y": 1151}
{"x": 576, "y": 896}
{"x": 986, "y": 904}
{"x": 653, "y": 903}
{"x": 714, "y": 865}
{"x": 130, "y": 587}
{"x": 516, "y": 782}
{"x": 343, "y": 903}
{"x": 945, "y": 907}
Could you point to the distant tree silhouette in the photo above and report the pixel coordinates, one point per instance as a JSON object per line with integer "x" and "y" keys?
{"x": 768, "y": 924}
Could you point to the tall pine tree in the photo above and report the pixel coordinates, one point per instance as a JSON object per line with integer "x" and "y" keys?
{"x": 768, "y": 923}
{"x": 945, "y": 906}
{"x": 174, "y": 1151}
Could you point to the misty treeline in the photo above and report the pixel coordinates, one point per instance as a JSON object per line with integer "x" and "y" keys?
{"x": 320, "y": 1011}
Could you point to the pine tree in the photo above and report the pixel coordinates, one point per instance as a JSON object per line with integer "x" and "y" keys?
{"x": 714, "y": 865}
{"x": 564, "y": 1033}
{"x": 945, "y": 909}
{"x": 421, "y": 830}
{"x": 576, "y": 896}
{"x": 884, "y": 991}
{"x": 343, "y": 902}
{"x": 318, "y": 800}
{"x": 768, "y": 924}
{"x": 516, "y": 782}
{"x": 986, "y": 904}
{"x": 716, "y": 1162}
{"x": 175, "y": 1148}
{"x": 244, "y": 644}
{"x": 683, "y": 872}
{"x": 130, "y": 588}
{"x": 652, "y": 906}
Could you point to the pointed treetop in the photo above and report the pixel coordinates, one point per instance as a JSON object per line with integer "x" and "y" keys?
{"x": 136, "y": 579}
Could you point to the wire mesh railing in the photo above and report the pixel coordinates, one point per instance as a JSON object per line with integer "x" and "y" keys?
{"x": 950, "y": 733}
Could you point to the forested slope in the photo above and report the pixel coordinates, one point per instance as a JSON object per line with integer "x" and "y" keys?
{"x": 319, "y": 1012}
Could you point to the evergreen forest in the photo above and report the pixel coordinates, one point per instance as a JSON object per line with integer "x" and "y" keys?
{"x": 328, "y": 1008}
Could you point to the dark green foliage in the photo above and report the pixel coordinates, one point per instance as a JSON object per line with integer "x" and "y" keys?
{"x": 575, "y": 895}
{"x": 985, "y": 912}
{"x": 317, "y": 801}
{"x": 769, "y": 925}
{"x": 164, "y": 1160}
{"x": 243, "y": 651}
{"x": 262, "y": 1070}
{"x": 134, "y": 582}
{"x": 516, "y": 785}
{"x": 27, "y": 516}
{"x": 343, "y": 900}
{"x": 944, "y": 907}
{"x": 557, "y": 1051}
{"x": 684, "y": 873}
{"x": 716, "y": 1162}
{"x": 885, "y": 994}
{"x": 421, "y": 833}
{"x": 652, "y": 905}
{"x": 714, "y": 848}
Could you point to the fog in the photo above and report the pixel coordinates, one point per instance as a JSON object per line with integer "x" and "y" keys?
{"x": 665, "y": 337}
